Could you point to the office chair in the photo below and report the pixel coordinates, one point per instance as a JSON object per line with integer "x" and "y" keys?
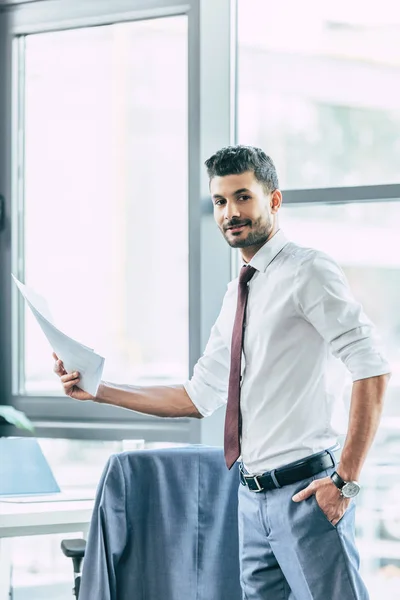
{"x": 164, "y": 525}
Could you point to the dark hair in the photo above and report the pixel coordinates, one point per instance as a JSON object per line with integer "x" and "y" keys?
{"x": 234, "y": 160}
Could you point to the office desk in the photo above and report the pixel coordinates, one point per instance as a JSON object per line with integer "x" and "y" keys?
{"x": 19, "y": 519}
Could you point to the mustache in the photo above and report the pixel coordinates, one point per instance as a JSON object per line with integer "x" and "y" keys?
{"x": 236, "y": 224}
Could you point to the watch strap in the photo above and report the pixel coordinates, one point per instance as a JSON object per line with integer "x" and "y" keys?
{"x": 337, "y": 480}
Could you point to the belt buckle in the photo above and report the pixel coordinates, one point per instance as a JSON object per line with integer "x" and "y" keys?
{"x": 255, "y": 479}
{"x": 245, "y": 477}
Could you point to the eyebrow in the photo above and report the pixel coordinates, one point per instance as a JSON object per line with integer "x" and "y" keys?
{"x": 237, "y": 193}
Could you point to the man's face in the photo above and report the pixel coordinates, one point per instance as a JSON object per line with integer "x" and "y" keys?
{"x": 242, "y": 209}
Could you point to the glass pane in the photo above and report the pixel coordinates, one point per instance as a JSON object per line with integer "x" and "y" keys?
{"x": 106, "y": 236}
{"x": 319, "y": 91}
{"x": 363, "y": 238}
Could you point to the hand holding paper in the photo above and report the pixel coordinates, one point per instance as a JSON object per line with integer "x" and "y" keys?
{"x": 70, "y": 381}
{"x": 74, "y": 355}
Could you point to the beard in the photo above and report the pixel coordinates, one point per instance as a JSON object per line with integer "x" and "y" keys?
{"x": 259, "y": 231}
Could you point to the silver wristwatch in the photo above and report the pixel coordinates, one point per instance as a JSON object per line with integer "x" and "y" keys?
{"x": 348, "y": 489}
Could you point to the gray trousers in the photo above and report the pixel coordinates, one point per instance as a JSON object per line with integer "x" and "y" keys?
{"x": 290, "y": 551}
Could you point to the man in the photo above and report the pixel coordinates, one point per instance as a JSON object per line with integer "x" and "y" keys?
{"x": 281, "y": 328}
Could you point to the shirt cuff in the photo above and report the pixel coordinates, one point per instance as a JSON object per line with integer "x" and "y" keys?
{"x": 206, "y": 411}
{"x": 369, "y": 368}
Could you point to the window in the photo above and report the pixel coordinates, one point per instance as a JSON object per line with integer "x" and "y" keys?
{"x": 319, "y": 91}
{"x": 105, "y": 228}
{"x": 102, "y": 174}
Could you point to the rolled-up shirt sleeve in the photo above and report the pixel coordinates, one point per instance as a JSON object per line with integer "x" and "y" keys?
{"x": 326, "y": 301}
{"x": 208, "y": 387}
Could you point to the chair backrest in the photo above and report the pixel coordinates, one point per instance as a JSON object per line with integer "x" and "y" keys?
{"x": 164, "y": 526}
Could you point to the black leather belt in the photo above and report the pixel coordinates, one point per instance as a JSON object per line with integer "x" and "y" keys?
{"x": 288, "y": 474}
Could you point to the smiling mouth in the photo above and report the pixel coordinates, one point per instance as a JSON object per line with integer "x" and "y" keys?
{"x": 237, "y": 228}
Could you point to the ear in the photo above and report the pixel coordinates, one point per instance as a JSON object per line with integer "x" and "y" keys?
{"x": 276, "y": 201}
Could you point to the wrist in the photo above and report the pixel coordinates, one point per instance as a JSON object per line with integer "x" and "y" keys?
{"x": 100, "y": 395}
{"x": 349, "y": 488}
{"x": 347, "y": 474}
{"x": 348, "y": 467}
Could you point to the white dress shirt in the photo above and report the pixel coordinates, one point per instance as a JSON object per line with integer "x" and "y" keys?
{"x": 302, "y": 323}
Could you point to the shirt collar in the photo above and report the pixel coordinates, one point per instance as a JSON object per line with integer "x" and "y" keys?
{"x": 269, "y": 251}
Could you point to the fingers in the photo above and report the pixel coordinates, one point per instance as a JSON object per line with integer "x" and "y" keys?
{"x": 58, "y": 365}
{"x": 70, "y": 380}
{"x": 306, "y": 493}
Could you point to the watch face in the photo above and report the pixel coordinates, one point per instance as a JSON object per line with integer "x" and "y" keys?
{"x": 350, "y": 489}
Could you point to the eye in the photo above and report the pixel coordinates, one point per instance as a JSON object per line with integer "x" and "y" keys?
{"x": 244, "y": 198}
{"x": 219, "y": 202}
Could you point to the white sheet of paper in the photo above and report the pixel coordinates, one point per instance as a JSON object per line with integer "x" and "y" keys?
{"x": 74, "y": 355}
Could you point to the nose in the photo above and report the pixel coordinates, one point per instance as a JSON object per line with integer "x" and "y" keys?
{"x": 231, "y": 211}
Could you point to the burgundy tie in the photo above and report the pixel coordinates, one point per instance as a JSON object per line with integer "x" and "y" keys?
{"x": 232, "y": 418}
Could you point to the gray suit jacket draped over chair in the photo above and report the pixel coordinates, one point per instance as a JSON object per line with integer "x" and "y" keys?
{"x": 164, "y": 527}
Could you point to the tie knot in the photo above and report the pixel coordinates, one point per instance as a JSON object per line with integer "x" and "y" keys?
{"x": 246, "y": 274}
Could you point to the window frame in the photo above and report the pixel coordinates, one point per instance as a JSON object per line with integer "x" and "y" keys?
{"x": 210, "y": 35}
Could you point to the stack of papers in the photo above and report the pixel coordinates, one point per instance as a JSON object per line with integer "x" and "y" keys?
{"x": 74, "y": 355}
